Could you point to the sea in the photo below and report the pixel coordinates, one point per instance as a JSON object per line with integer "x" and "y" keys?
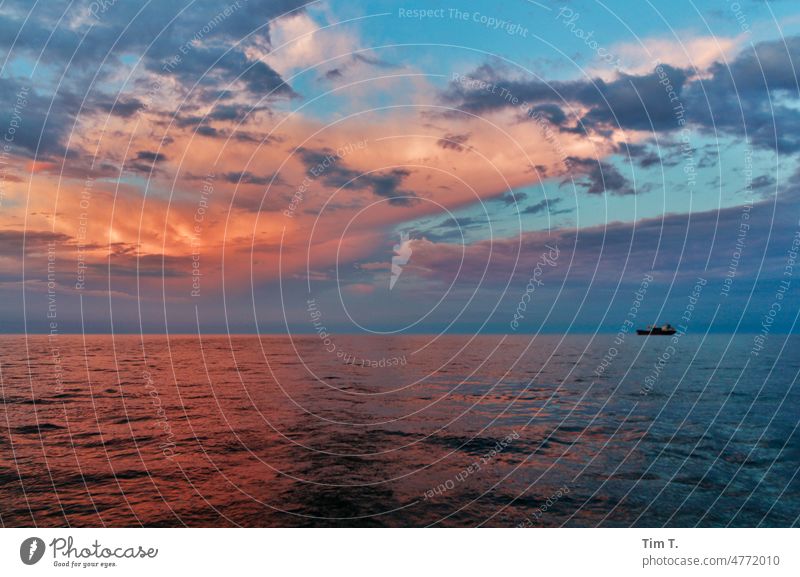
{"x": 399, "y": 431}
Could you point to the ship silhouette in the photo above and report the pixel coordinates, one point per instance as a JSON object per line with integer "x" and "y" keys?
{"x": 667, "y": 329}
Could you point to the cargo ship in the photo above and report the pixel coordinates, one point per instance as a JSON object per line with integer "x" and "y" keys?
{"x": 654, "y": 330}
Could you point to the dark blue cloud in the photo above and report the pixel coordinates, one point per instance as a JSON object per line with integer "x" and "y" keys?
{"x": 546, "y": 206}
{"x": 333, "y": 171}
{"x": 600, "y": 177}
{"x": 76, "y": 54}
{"x": 754, "y": 96}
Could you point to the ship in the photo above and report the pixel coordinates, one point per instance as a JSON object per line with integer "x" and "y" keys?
{"x": 654, "y": 330}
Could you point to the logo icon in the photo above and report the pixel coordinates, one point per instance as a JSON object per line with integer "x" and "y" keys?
{"x": 31, "y": 550}
{"x": 402, "y": 252}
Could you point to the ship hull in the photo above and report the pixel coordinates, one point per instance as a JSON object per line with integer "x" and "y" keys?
{"x": 655, "y": 332}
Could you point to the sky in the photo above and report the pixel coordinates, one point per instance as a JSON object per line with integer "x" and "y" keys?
{"x": 388, "y": 168}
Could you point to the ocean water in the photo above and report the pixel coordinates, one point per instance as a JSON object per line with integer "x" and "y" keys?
{"x": 398, "y": 431}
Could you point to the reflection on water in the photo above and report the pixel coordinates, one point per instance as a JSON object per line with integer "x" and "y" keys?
{"x": 496, "y": 431}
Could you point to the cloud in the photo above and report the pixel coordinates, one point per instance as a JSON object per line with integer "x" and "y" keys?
{"x": 149, "y": 156}
{"x": 155, "y": 31}
{"x": 552, "y": 112}
{"x": 360, "y": 288}
{"x": 233, "y": 112}
{"x": 247, "y": 177}
{"x": 333, "y": 171}
{"x": 763, "y": 181}
{"x": 688, "y": 52}
{"x": 17, "y": 243}
{"x": 601, "y": 176}
{"x": 145, "y": 161}
{"x": 546, "y": 205}
{"x": 387, "y": 184}
{"x": 453, "y": 141}
{"x": 665, "y": 153}
{"x": 356, "y": 65}
{"x": 510, "y": 197}
{"x": 683, "y": 245}
{"x": 629, "y": 101}
{"x": 642, "y": 154}
{"x": 374, "y": 61}
{"x": 42, "y": 123}
{"x": 124, "y": 107}
{"x": 224, "y": 65}
{"x": 170, "y": 44}
{"x": 753, "y": 96}
{"x": 302, "y": 43}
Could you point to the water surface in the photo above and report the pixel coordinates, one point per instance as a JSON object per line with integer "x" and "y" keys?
{"x": 397, "y": 431}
